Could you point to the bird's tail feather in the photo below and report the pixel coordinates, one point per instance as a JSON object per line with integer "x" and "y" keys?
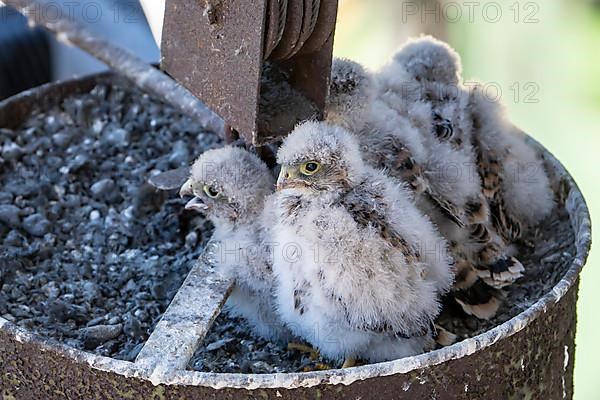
{"x": 479, "y": 300}
{"x": 502, "y": 273}
{"x": 444, "y": 337}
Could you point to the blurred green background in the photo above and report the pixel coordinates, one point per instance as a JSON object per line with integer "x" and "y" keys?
{"x": 544, "y": 56}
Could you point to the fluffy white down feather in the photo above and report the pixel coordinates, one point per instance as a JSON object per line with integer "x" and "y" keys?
{"x": 418, "y": 92}
{"x": 427, "y": 58}
{"x": 390, "y": 117}
{"x": 427, "y": 63}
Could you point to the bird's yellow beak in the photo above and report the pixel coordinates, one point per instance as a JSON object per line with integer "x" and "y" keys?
{"x": 186, "y": 189}
{"x": 196, "y": 204}
{"x": 287, "y": 177}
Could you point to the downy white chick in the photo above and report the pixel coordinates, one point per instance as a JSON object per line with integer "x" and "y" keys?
{"x": 472, "y": 124}
{"x": 231, "y": 186}
{"x": 402, "y": 131}
{"x": 360, "y": 270}
{"x": 391, "y": 139}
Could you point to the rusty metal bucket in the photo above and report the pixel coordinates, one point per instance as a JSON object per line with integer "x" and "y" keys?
{"x": 529, "y": 356}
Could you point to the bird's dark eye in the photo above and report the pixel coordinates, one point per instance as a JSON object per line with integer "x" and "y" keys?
{"x": 211, "y": 191}
{"x": 310, "y": 168}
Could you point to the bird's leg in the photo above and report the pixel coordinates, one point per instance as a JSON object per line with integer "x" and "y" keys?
{"x": 349, "y": 362}
{"x": 303, "y": 348}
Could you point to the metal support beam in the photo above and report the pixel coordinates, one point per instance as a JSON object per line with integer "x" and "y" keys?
{"x": 186, "y": 322}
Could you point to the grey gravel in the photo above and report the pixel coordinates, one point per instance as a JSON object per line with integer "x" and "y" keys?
{"x": 116, "y": 137}
{"x": 36, "y": 225}
{"x": 94, "y": 336}
{"x": 218, "y": 344}
{"x": 9, "y": 215}
{"x": 61, "y": 139}
{"x": 180, "y": 154}
{"x": 103, "y": 188}
{"x": 11, "y": 150}
{"x": 90, "y": 254}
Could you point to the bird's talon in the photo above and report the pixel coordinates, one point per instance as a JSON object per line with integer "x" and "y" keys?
{"x": 349, "y": 363}
{"x": 302, "y": 348}
{"x": 317, "y": 367}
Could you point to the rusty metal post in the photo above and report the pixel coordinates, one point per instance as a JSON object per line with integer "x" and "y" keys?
{"x": 219, "y": 50}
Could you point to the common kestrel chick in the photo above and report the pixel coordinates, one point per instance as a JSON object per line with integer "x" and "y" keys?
{"x": 514, "y": 183}
{"x": 231, "y": 186}
{"x": 360, "y": 270}
{"x": 419, "y": 131}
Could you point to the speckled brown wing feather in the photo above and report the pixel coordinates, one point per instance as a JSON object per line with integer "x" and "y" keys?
{"x": 505, "y": 225}
{"x": 394, "y": 157}
{"x": 398, "y": 162}
{"x": 496, "y": 268}
{"x": 490, "y": 170}
{"x": 447, "y": 208}
{"x": 366, "y": 208}
{"x": 479, "y": 300}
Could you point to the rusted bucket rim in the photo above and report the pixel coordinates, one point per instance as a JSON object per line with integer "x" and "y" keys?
{"x": 575, "y": 205}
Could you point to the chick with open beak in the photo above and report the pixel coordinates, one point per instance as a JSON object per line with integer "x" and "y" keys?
{"x": 230, "y": 186}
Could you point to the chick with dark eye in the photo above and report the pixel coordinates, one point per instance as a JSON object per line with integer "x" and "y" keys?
{"x": 369, "y": 279}
{"x": 298, "y": 175}
{"x": 416, "y": 138}
{"x": 230, "y": 187}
